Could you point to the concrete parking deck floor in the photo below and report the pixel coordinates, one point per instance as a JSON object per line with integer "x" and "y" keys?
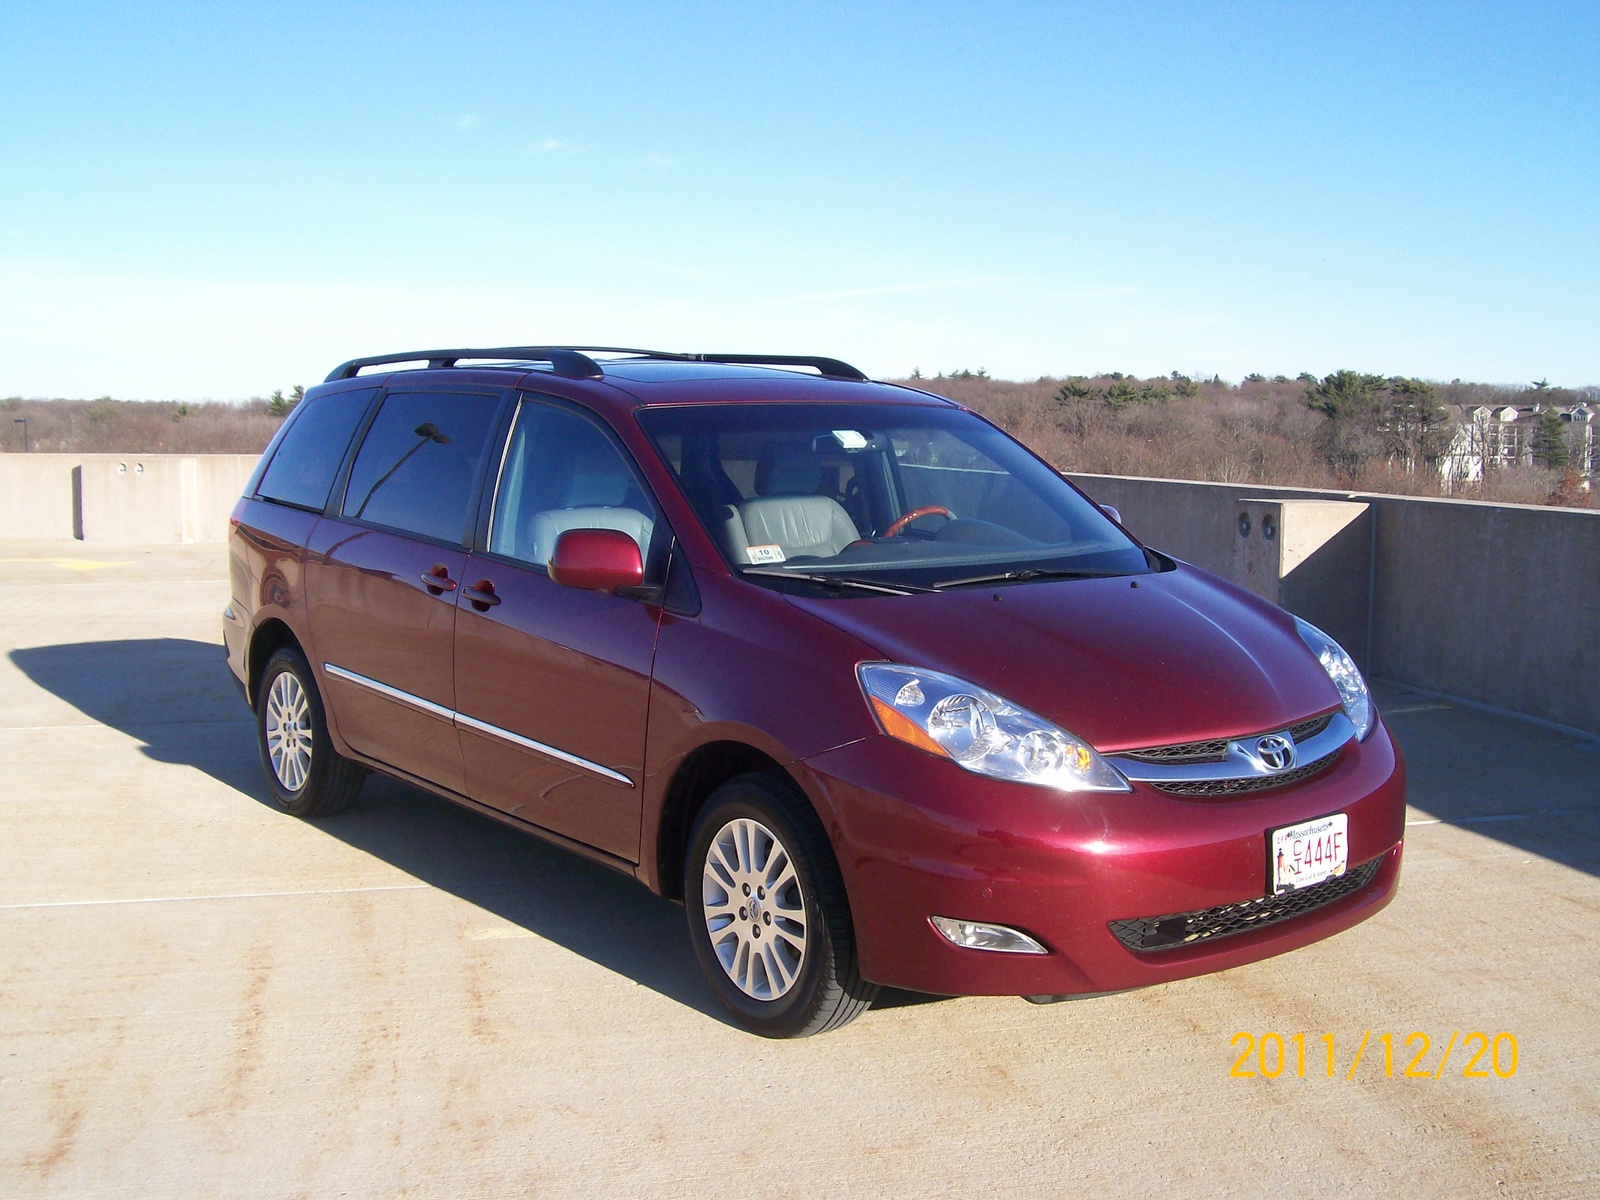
{"x": 201, "y": 996}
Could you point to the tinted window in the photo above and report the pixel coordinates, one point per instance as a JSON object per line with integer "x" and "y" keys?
{"x": 312, "y": 447}
{"x": 417, "y": 464}
{"x": 562, "y": 472}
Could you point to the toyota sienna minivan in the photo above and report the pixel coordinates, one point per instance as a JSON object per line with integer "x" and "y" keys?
{"x": 874, "y": 692}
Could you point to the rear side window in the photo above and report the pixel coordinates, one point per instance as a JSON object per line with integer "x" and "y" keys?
{"x": 417, "y": 465}
{"x": 312, "y": 447}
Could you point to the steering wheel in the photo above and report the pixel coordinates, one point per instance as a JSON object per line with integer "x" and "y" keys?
{"x": 905, "y": 519}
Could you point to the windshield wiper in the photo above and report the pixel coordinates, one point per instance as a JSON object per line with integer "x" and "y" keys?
{"x": 837, "y": 581}
{"x": 1025, "y": 573}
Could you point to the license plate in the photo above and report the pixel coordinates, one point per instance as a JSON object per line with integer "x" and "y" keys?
{"x": 1306, "y": 854}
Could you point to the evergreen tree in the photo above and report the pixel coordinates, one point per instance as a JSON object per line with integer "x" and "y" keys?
{"x": 280, "y": 405}
{"x": 1345, "y": 395}
{"x": 1074, "y": 389}
{"x": 1122, "y": 393}
{"x": 1549, "y": 440}
{"x": 1354, "y": 404}
{"x": 1417, "y": 424}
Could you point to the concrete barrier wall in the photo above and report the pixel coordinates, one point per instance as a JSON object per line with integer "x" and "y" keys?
{"x": 219, "y": 484}
{"x": 37, "y": 495}
{"x": 129, "y": 498}
{"x": 1493, "y": 603}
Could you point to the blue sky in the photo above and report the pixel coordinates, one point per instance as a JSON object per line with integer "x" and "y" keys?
{"x": 204, "y": 200}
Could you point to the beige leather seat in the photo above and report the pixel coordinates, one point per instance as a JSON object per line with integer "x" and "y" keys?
{"x": 786, "y": 511}
{"x": 598, "y": 484}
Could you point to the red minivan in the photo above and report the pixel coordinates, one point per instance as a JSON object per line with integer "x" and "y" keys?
{"x": 871, "y": 689}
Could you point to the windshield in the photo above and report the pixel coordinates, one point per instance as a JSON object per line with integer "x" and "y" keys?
{"x": 901, "y": 496}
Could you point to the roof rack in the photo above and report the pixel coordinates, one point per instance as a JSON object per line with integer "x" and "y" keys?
{"x": 573, "y": 362}
{"x": 833, "y": 368}
{"x": 563, "y": 361}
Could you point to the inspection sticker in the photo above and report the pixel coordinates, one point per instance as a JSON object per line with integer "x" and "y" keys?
{"x": 1306, "y": 854}
{"x": 765, "y": 554}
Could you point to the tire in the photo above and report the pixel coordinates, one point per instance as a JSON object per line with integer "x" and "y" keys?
{"x": 307, "y": 776}
{"x": 781, "y": 959}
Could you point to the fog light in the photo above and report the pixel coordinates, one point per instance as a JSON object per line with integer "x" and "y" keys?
{"x": 975, "y": 935}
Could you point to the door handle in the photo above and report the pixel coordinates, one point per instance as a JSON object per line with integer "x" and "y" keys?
{"x": 482, "y": 595}
{"x": 438, "y": 580}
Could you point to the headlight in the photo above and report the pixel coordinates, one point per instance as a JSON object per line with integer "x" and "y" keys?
{"x": 1341, "y": 668}
{"x": 980, "y": 731}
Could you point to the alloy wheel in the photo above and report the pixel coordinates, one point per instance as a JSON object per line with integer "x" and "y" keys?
{"x": 755, "y": 909}
{"x": 289, "y": 731}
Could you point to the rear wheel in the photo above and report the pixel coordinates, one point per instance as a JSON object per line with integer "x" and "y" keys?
{"x": 767, "y": 911}
{"x": 307, "y": 776}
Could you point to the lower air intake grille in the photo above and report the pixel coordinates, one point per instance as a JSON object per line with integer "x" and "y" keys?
{"x": 1145, "y": 934}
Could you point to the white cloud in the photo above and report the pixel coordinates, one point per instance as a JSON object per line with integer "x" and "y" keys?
{"x": 891, "y": 289}
{"x": 555, "y": 146}
{"x": 469, "y": 120}
{"x": 657, "y": 158}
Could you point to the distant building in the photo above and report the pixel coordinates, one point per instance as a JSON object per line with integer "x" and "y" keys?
{"x": 1492, "y": 437}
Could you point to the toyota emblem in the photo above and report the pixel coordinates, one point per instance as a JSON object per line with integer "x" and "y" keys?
{"x": 1276, "y": 752}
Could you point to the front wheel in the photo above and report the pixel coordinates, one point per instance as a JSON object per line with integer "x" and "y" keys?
{"x": 307, "y": 776}
{"x": 767, "y": 911}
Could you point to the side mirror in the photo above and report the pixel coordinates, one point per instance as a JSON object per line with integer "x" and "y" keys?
{"x": 1112, "y": 513}
{"x": 596, "y": 560}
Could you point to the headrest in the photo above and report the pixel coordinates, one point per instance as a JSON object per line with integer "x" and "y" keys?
{"x": 596, "y": 491}
{"x": 787, "y": 469}
{"x": 595, "y": 475}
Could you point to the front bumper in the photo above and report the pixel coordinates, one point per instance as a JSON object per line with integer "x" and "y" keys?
{"x": 918, "y": 836}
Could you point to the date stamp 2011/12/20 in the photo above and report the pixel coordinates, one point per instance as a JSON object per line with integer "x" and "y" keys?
{"x": 1476, "y": 1055}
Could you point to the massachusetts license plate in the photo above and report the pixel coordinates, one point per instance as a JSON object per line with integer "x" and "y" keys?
{"x": 1306, "y": 854}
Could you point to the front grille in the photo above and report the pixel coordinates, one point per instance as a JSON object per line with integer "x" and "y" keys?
{"x": 1216, "y": 749}
{"x": 1189, "y": 752}
{"x": 1146, "y": 934}
{"x": 1309, "y": 729}
{"x": 1210, "y": 788}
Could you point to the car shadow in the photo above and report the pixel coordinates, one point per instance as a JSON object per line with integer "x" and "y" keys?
{"x": 179, "y": 699}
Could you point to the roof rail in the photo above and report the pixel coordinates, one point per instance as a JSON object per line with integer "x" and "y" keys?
{"x": 563, "y": 361}
{"x": 832, "y": 367}
{"x": 573, "y": 362}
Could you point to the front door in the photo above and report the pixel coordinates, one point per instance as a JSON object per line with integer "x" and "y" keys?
{"x": 384, "y": 576}
{"x": 552, "y": 683}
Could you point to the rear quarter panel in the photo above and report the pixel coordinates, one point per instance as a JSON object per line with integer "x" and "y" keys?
{"x": 266, "y": 576}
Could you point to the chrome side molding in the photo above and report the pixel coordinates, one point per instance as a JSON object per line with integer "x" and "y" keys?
{"x": 462, "y": 721}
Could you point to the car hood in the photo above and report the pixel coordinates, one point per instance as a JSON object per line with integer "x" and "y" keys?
{"x": 1150, "y": 660}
